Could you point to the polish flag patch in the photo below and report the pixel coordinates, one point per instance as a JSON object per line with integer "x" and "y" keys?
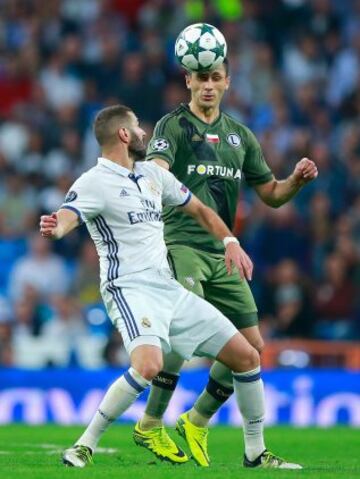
{"x": 210, "y": 138}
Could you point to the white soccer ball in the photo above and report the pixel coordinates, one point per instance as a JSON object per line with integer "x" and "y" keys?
{"x": 200, "y": 47}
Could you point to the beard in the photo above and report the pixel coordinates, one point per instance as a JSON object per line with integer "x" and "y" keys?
{"x": 137, "y": 150}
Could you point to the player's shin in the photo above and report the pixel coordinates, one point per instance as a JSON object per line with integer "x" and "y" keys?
{"x": 218, "y": 389}
{"x": 249, "y": 392}
{"x": 118, "y": 398}
{"x": 162, "y": 389}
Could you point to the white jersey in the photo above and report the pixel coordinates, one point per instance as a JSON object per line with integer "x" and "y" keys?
{"x": 122, "y": 211}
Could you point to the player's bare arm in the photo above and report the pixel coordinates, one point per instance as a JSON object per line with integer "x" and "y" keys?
{"x": 234, "y": 254}
{"x": 58, "y": 224}
{"x": 275, "y": 193}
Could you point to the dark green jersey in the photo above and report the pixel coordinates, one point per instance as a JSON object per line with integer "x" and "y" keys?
{"x": 210, "y": 159}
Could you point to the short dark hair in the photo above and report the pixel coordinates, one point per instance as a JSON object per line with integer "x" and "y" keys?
{"x": 108, "y": 121}
{"x": 226, "y": 67}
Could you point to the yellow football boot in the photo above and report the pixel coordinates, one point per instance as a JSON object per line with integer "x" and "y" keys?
{"x": 196, "y": 437}
{"x": 158, "y": 441}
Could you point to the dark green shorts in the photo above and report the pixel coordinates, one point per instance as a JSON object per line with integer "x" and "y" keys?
{"x": 205, "y": 274}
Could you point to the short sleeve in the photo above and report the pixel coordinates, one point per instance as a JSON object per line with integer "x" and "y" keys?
{"x": 255, "y": 168}
{"x": 163, "y": 143}
{"x": 86, "y": 200}
{"x": 174, "y": 193}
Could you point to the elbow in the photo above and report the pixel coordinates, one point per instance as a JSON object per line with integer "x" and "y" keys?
{"x": 276, "y": 204}
{"x": 272, "y": 202}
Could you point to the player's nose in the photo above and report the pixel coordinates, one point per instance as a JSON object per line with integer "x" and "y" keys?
{"x": 209, "y": 86}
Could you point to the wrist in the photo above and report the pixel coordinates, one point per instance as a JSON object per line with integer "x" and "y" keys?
{"x": 58, "y": 233}
{"x": 296, "y": 181}
{"x": 229, "y": 239}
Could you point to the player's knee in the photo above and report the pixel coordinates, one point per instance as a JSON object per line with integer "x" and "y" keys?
{"x": 258, "y": 345}
{"x": 254, "y": 359}
{"x": 149, "y": 368}
{"x": 248, "y": 360}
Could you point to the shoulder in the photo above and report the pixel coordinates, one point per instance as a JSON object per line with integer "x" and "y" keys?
{"x": 85, "y": 185}
{"x": 150, "y": 168}
{"x": 89, "y": 176}
{"x": 235, "y": 126}
{"x": 234, "y": 123}
{"x": 168, "y": 121}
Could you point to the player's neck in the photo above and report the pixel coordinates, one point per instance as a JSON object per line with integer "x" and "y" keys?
{"x": 122, "y": 159}
{"x": 208, "y": 115}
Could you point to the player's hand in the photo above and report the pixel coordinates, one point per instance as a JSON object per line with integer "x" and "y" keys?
{"x": 48, "y": 225}
{"x": 305, "y": 170}
{"x": 235, "y": 255}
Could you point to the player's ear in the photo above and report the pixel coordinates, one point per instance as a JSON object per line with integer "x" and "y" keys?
{"x": 124, "y": 135}
{"x": 227, "y": 84}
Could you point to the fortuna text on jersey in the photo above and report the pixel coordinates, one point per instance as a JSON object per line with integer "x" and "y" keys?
{"x": 214, "y": 170}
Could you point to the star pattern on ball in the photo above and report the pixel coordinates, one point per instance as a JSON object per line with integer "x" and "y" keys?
{"x": 204, "y": 53}
{"x": 220, "y": 51}
{"x": 205, "y": 28}
{"x": 194, "y": 48}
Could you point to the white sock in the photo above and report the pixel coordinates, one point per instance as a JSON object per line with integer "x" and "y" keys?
{"x": 118, "y": 398}
{"x": 249, "y": 391}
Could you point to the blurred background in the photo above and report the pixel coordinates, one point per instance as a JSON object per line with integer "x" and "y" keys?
{"x": 295, "y": 73}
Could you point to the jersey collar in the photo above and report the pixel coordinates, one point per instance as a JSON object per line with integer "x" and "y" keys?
{"x": 217, "y": 119}
{"x": 121, "y": 170}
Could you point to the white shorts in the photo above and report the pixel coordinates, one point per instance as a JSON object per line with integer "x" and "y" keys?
{"x": 151, "y": 304}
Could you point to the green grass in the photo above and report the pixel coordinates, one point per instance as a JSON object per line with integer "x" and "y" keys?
{"x": 33, "y": 452}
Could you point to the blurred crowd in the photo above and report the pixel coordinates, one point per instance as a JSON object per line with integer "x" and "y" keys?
{"x": 295, "y": 72}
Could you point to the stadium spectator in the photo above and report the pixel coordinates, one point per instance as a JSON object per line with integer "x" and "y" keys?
{"x": 287, "y": 302}
{"x": 335, "y": 302}
{"x": 64, "y": 332}
{"x": 17, "y": 206}
{"x": 295, "y": 70}
{"x": 6, "y": 355}
{"x": 288, "y": 239}
{"x": 86, "y": 283}
{"x": 61, "y": 87}
{"x": 39, "y": 270}
{"x": 6, "y": 343}
{"x": 52, "y": 195}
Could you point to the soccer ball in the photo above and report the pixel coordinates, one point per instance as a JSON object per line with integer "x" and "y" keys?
{"x": 200, "y": 47}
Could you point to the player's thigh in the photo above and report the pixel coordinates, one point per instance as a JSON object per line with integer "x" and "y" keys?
{"x": 198, "y": 328}
{"x": 188, "y": 267}
{"x": 238, "y": 354}
{"x": 232, "y": 296}
{"x": 141, "y": 311}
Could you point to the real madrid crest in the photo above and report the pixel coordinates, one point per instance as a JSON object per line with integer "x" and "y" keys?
{"x": 234, "y": 140}
{"x": 155, "y": 190}
{"x": 145, "y": 322}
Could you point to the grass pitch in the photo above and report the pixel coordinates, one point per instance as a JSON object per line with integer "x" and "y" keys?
{"x": 34, "y": 452}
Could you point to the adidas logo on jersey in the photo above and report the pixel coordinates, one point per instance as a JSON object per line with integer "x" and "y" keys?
{"x": 123, "y": 193}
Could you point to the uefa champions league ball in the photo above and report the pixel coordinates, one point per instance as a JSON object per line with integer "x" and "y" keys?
{"x": 200, "y": 47}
